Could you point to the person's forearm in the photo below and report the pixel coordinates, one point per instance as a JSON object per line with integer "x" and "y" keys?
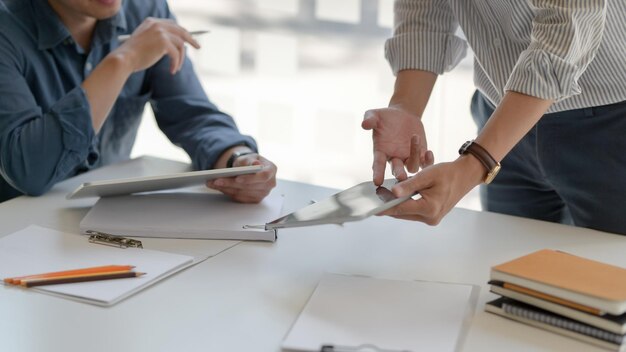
{"x": 412, "y": 90}
{"x": 104, "y": 85}
{"x": 514, "y": 117}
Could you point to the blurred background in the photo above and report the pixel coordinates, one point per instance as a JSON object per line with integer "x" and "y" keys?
{"x": 297, "y": 75}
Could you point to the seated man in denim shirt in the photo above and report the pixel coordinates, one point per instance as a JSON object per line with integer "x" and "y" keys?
{"x": 72, "y": 94}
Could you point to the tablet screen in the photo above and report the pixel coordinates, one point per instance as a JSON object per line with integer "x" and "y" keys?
{"x": 358, "y": 202}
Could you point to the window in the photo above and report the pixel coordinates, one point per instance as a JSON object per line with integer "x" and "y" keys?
{"x": 298, "y": 76}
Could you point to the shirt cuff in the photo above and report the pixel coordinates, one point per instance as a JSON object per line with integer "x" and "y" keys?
{"x": 74, "y": 116}
{"x": 541, "y": 74}
{"x": 213, "y": 149}
{"x": 434, "y": 52}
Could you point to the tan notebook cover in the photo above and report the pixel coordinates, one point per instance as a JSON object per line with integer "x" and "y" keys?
{"x": 570, "y": 272}
{"x": 551, "y": 298}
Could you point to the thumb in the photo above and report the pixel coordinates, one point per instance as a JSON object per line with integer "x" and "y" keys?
{"x": 370, "y": 120}
{"x": 411, "y": 185}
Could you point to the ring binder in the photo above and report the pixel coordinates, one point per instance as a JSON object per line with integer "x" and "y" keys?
{"x": 361, "y": 348}
{"x": 112, "y": 240}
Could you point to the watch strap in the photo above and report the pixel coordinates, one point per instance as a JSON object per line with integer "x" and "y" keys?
{"x": 235, "y": 155}
{"x": 483, "y": 156}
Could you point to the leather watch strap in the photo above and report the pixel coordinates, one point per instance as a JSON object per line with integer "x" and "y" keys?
{"x": 484, "y": 157}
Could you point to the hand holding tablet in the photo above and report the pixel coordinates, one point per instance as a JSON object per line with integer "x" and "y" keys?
{"x": 117, "y": 187}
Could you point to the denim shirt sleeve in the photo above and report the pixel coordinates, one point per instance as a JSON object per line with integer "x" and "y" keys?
{"x": 187, "y": 117}
{"x": 38, "y": 148}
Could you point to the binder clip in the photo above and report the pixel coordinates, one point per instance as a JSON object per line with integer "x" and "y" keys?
{"x": 112, "y": 240}
{"x": 361, "y": 348}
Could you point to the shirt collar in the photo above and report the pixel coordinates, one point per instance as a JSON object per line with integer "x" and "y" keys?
{"x": 109, "y": 28}
{"x": 51, "y": 31}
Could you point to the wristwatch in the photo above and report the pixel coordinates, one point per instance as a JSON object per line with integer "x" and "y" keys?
{"x": 492, "y": 166}
{"x": 235, "y": 155}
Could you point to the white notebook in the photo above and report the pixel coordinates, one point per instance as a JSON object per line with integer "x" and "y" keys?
{"x": 190, "y": 215}
{"x": 350, "y": 313}
{"x": 36, "y": 250}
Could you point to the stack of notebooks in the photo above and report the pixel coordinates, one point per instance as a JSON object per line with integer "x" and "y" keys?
{"x": 563, "y": 293}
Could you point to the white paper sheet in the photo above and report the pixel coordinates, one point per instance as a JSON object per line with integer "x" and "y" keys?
{"x": 349, "y": 311}
{"x": 36, "y": 250}
{"x": 190, "y": 215}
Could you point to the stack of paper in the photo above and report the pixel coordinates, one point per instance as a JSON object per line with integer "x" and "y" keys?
{"x": 183, "y": 215}
{"x": 563, "y": 293}
{"x": 39, "y": 250}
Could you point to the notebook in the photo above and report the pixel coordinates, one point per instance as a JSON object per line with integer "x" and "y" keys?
{"x": 580, "y": 280}
{"x": 608, "y": 322}
{"x": 543, "y": 319}
{"x": 351, "y": 313}
{"x": 36, "y": 250}
{"x": 190, "y": 215}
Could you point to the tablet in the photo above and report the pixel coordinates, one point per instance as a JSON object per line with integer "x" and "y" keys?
{"x": 117, "y": 187}
{"x": 356, "y": 203}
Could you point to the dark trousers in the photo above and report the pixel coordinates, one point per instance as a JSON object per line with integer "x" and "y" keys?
{"x": 570, "y": 168}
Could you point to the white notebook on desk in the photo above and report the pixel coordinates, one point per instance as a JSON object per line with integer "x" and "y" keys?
{"x": 35, "y": 250}
{"x": 350, "y": 313}
{"x": 190, "y": 215}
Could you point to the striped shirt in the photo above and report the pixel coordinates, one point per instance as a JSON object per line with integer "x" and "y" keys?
{"x": 570, "y": 51}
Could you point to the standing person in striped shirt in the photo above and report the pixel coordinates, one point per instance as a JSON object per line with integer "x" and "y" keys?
{"x": 550, "y": 105}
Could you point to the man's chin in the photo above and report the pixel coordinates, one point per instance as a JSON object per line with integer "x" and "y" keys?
{"x": 104, "y": 9}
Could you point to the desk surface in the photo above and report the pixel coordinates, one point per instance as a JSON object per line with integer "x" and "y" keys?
{"x": 247, "y": 297}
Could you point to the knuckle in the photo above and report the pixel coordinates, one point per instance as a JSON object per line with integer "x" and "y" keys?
{"x": 162, "y": 34}
{"x": 433, "y": 221}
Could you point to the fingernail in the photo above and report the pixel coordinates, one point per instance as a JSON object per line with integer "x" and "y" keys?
{"x": 218, "y": 182}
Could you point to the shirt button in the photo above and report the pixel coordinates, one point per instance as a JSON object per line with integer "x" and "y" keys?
{"x": 92, "y": 158}
{"x": 497, "y": 42}
{"x": 88, "y": 66}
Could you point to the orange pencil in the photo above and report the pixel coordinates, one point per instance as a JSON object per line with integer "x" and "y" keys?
{"x": 25, "y": 282}
{"x": 96, "y": 269}
{"x": 67, "y": 280}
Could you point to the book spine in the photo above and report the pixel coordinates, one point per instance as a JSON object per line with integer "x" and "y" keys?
{"x": 561, "y": 322}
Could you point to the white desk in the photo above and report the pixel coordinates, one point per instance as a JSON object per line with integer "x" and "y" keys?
{"x": 246, "y": 298}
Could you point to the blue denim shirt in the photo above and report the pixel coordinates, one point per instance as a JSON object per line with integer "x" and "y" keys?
{"x": 46, "y": 133}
